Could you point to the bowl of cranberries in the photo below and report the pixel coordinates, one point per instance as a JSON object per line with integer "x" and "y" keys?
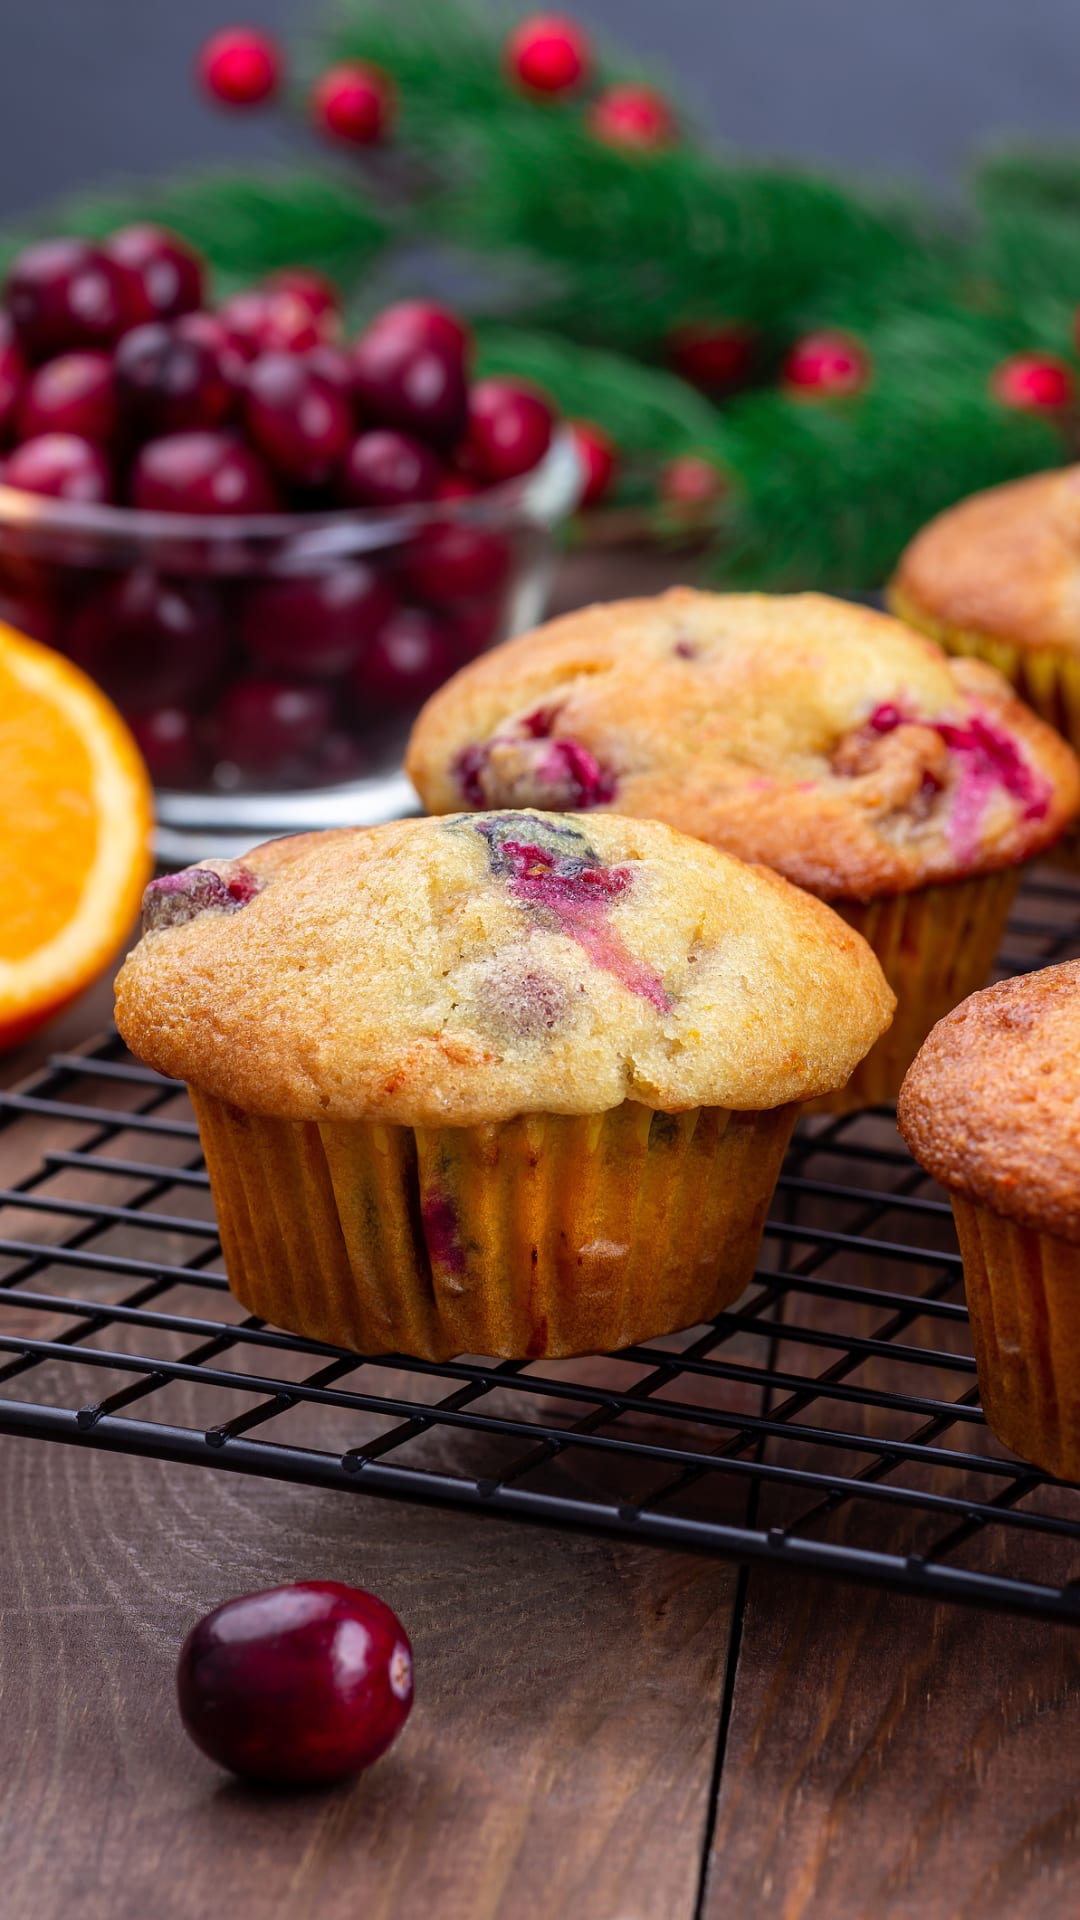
{"x": 267, "y": 543}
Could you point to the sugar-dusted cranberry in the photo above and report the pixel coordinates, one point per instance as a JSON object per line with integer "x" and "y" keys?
{"x": 148, "y": 640}
{"x": 64, "y": 294}
{"x": 409, "y": 657}
{"x": 387, "y": 469}
{"x": 408, "y": 380}
{"x": 201, "y": 473}
{"x": 75, "y": 393}
{"x": 167, "y": 382}
{"x": 164, "y": 276}
{"x": 332, "y": 364}
{"x": 12, "y": 380}
{"x": 272, "y": 320}
{"x": 299, "y": 1685}
{"x": 509, "y": 430}
{"x": 316, "y": 625}
{"x": 167, "y": 740}
{"x": 319, "y": 295}
{"x": 422, "y": 321}
{"x": 267, "y": 726}
{"x": 63, "y": 465}
{"x": 298, "y": 422}
{"x": 179, "y": 897}
{"x": 449, "y": 562}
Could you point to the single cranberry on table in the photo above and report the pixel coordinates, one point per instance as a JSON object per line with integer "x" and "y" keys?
{"x": 299, "y": 1686}
{"x": 272, "y": 320}
{"x": 269, "y": 727}
{"x": 411, "y": 655}
{"x": 62, "y": 465}
{"x": 167, "y": 739}
{"x": 447, "y": 562}
{"x": 201, "y": 473}
{"x": 297, "y": 420}
{"x": 167, "y": 382}
{"x": 411, "y": 381}
{"x": 75, "y": 393}
{"x": 387, "y": 469}
{"x": 509, "y": 430}
{"x": 63, "y": 294}
{"x": 164, "y": 276}
{"x": 317, "y": 625}
{"x": 150, "y": 641}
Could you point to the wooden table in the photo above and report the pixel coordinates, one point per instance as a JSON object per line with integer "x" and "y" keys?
{"x": 602, "y": 1731}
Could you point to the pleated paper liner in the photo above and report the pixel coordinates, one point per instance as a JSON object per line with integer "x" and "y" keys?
{"x": 1023, "y": 1294}
{"x": 544, "y": 1235}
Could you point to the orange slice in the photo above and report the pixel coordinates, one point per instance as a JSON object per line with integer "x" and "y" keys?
{"x": 76, "y": 815}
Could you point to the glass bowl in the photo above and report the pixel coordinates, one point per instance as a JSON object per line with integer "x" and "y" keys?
{"x": 271, "y": 665}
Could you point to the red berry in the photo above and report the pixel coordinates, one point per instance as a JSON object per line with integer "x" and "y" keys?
{"x": 300, "y": 1685}
{"x": 73, "y": 394}
{"x": 316, "y": 626}
{"x": 509, "y": 430}
{"x": 548, "y": 54}
{"x": 449, "y": 562}
{"x": 240, "y": 66}
{"x": 473, "y": 626}
{"x": 201, "y": 473}
{"x": 826, "y": 365}
{"x": 633, "y": 116}
{"x": 424, "y": 322}
{"x": 713, "y": 355}
{"x": 209, "y": 331}
{"x": 165, "y": 277}
{"x": 63, "y": 294}
{"x": 354, "y": 102}
{"x": 298, "y": 421}
{"x": 457, "y": 486}
{"x": 269, "y": 727}
{"x": 319, "y": 295}
{"x": 167, "y": 382}
{"x": 271, "y": 320}
{"x": 410, "y": 656}
{"x": 1033, "y": 382}
{"x": 388, "y": 469}
{"x": 62, "y": 465}
{"x": 338, "y": 757}
{"x": 333, "y": 365}
{"x": 167, "y": 741}
{"x": 691, "y": 483}
{"x": 596, "y": 451}
{"x": 149, "y": 641}
{"x": 12, "y": 377}
{"x": 406, "y": 380}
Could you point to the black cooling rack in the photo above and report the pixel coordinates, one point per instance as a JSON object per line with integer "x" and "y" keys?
{"x": 831, "y": 1421}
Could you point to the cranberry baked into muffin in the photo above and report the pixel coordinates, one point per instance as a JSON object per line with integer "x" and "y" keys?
{"x": 991, "y": 1108}
{"x": 507, "y": 1083}
{"x": 823, "y": 739}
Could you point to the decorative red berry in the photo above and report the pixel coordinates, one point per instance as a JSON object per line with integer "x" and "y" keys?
{"x": 62, "y": 465}
{"x": 201, "y": 473}
{"x": 63, "y": 294}
{"x": 75, "y": 393}
{"x": 165, "y": 277}
{"x": 691, "y": 484}
{"x": 354, "y": 102}
{"x": 509, "y": 430}
{"x": 633, "y": 116}
{"x": 548, "y": 54}
{"x": 298, "y": 421}
{"x": 240, "y": 66}
{"x": 597, "y": 453}
{"x": 826, "y": 366}
{"x": 1034, "y": 383}
{"x": 714, "y": 355}
{"x": 388, "y": 469}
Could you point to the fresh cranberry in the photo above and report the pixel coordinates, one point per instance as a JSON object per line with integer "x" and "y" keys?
{"x": 448, "y": 562}
{"x": 12, "y": 377}
{"x": 62, "y": 465}
{"x": 509, "y": 430}
{"x": 423, "y": 323}
{"x": 316, "y": 626}
{"x": 297, "y": 421}
{"x": 201, "y": 473}
{"x": 74, "y": 393}
{"x": 456, "y": 486}
{"x": 164, "y": 276}
{"x": 597, "y": 453}
{"x": 332, "y": 364}
{"x": 387, "y": 469}
{"x": 300, "y": 1685}
{"x": 210, "y": 332}
{"x": 271, "y": 320}
{"x": 167, "y": 383}
{"x": 473, "y": 627}
{"x": 64, "y": 294}
{"x": 167, "y": 741}
{"x": 269, "y": 727}
{"x": 148, "y": 640}
{"x": 410, "y": 656}
{"x": 318, "y": 294}
{"x": 412, "y": 381}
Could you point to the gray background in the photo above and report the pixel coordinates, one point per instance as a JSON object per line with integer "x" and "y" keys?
{"x": 96, "y": 90}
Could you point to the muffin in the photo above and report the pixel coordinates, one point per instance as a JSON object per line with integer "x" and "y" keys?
{"x": 991, "y": 1108}
{"x": 823, "y": 739}
{"x": 507, "y": 1083}
{"x": 995, "y": 577}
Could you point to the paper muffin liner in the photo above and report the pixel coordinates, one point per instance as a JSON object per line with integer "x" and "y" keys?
{"x": 935, "y": 945}
{"x": 1046, "y": 678}
{"x": 544, "y": 1235}
{"x": 1023, "y": 1294}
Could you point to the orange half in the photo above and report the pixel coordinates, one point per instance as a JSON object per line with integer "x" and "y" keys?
{"x": 76, "y": 815}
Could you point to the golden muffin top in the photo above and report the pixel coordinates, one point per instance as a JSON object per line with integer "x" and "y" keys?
{"x": 823, "y": 739}
{"x": 1002, "y": 564}
{"x": 462, "y": 970}
{"x": 991, "y": 1106}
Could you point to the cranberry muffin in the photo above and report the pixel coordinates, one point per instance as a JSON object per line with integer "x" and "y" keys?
{"x": 822, "y": 739}
{"x": 991, "y": 1108}
{"x": 506, "y": 1083}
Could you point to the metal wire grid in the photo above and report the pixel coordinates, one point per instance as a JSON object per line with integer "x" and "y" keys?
{"x": 830, "y": 1422}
